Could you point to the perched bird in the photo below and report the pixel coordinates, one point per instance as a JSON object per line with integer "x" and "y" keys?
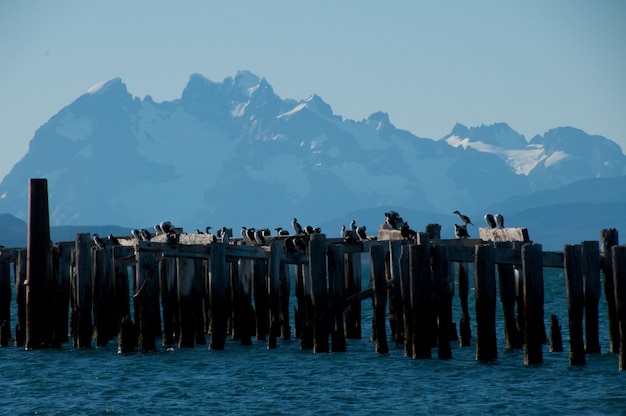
{"x": 98, "y": 241}
{"x": 198, "y": 231}
{"x": 309, "y": 230}
{"x": 290, "y": 245}
{"x": 114, "y": 241}
{"x": 145, "y": 234}
{"x": 360, "y": 231}
{"x": 499, "y": 220}
{"x": 491, "y": 221}
{"x": 353, "y": 225}
{"x": 166, "y": 226}
{"x": 207, "y": 229}
{"x": 281, "y": 231}
{"x": 392, "y": 220}
{"x": 225, "y": 237}
{"x": 259, "y": 236}
{"x": 297, "y": 228}
{"x": 461, "y": 231}
{"x": 406, "y": 232}
{"x": 135, "y": 234}
{"x": 348, "y": 236}
{"x": 247, "y": 234}
{"x": 299, "y": 243}
{"x": 157, "y": 229}
{"x": 463, "y": 218}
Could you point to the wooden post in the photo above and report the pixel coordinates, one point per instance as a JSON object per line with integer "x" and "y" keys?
{"x": 83, "y": 299}
{"x": 62, "y": 258}
{"x": 305, "y": 307}
{"x": 39, "y": 304}
{"x": 433, "y": 231}
{"x": 556, "y": 341}
{"x": 105, "y": 325}
{"x": 444, "y": 290}
{"x": 319, "y": 292}
{"x": 405, "y": 287}
{"x": 285, "y": 293}
{"x": 464, "y": 323}
{"x": 619, "y": 283}
{"x": 353, "y": 286}
{"x": 485, "y": 284}
{"x": 274, "y": 268}
{"x": 506, "y": 279}
{"x": 396, "y": 313}
{"x": 123, "y": 256}
{"x": 337, "y": 295}
{"x": 5, "y": 298}
{"x": 20, "y": 298}
{"x": 147, "y": 299}
{"x": 574, "y": 288}
{"x": 609, "y": 239}
{"x": 590, "y": 256}
{"x": 244, "y": 314}
{"x": 532, "y": 269}
{"x": 379, "y": 286}
{"x": 261, "y": 300}
{"x": 186, "y": 301}
{"x": 419, "y": 272}
{"x": 200, "y": 294}
{"x": 169, "y": 300}
{"x": 218, "y": 292}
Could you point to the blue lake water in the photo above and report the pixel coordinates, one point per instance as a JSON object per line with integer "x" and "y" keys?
{"x": 287, "y": 380}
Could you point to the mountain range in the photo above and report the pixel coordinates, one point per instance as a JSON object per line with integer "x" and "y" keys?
{"x": 233, "y": 153}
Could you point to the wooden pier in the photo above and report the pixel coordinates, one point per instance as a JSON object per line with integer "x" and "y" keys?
{"x": 176, "y": 289}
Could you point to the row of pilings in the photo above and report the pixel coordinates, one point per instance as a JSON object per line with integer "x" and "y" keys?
{"x": 182, "y": 287}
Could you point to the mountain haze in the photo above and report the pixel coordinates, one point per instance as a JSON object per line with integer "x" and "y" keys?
{"x": 233, "y": 153}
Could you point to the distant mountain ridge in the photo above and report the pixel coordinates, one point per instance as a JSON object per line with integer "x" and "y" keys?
{"x": 234, "y": 153}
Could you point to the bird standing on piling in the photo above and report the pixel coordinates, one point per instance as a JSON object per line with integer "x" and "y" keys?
{"x": 297, "y": 228}
{"x": 460, "y": 231}
{"x": 348, "y": 236}
{"x": 466, "y": 220}
{"x": 135, "y": 234}
{"x": 281, "y": 231}
{"x": 499, "y": 220}
{"x": 145, "y": 234}
{"x": 361, "y": 232}
{"x": 98, "y": 241}
{"x": 491, "y": 221}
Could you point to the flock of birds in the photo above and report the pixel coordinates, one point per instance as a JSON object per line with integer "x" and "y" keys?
{"x": 493, "y": 221}
{"x": 297, "y": 241}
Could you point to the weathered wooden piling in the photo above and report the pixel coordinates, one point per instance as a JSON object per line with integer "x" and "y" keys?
{"x": 218, "y": 292}
{"x": 319, "y": 292}
{"x": 285, "y": 292}
{"x": 169, "y": 300}
{"x": 556, "y": 341}
{"x": 274, "y": 269}
{"x": 574, "y": 288}
{"x": 485, "y": 284}
{"x": 419, "y": 272}
{"x": 353, "y": 286}
{"x": 261, "y": 300}
{"x": 104, "y": 313}
{"x": 396, "y": 313}
{"x": 609, "y": 239}
{"x": 20, "y": 297}
{"x": 5, "y": 297}
{"x": 123, "y": 257}
{"x": 444, "y": 291}
{"x": 405, "y": 286}
{"x": 201, "y": 312}
{"x": 337, "y": 296}
{"x": 619, "y": 283}
{"x": 379, "y": 285}
{"x": 188, "y": 298}
{"x": 532, "y": 268}
{"x": 590, "y": 265}
{"x": 83, "y": 292}
{"x": 147, "y": 298}
{"x": 243, "y": 313}
{"x": 465, "y": 329}
{"x": 61, "y": 272}
{"x": 506, "y": 280}
{"x": 39, "y": 303}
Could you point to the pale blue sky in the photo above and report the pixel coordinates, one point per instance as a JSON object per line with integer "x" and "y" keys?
{"x": 534, "y": 64}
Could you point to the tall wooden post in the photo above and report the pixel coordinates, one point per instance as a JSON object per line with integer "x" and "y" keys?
{"x": 353, "y": 286}
{"x": 319, "y": 292}
{"x": 590, "y": 255}
{"x": 147, "y": 299}
{"x": 574, "y": 288}
{"x": 169, "y": 300}
{"x": 261, "y": 300}
{"x": 419, "y": 272}
{"x": 83, "y": 296}
{"x": 274, "y": 267}
{"x": 532, "y": 257}
{"x": 105, "y": 325}
{"x": 243, "y": 312}
{"x": 5, "y": 297}
{"x": 395, "y": 292}
{"x": 62, "y": 269}
{"x": 465, "y": 328}
{"x": 20, "y": 298}
{"x": 619, "y": 282}
{"x": 485, "y": 284}
{"x": 444, "y": 291}
{"x": 285, "y": 293}
{"x": 337, "y": 295}
{"x": 39, "y": 302}
{"x": 218, "y": 292}
{"x": 506, "y": 279}
{"x": 405, "y": 287}
{"x": 609, "y": 239}
{"x": 187, "y": 301}
{"x": 379, "y": 285}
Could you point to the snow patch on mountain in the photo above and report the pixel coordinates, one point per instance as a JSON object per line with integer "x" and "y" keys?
{"x": 103, "y": 87}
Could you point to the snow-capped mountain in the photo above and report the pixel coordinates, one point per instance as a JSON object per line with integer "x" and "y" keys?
{"x": 233, "y": 153}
